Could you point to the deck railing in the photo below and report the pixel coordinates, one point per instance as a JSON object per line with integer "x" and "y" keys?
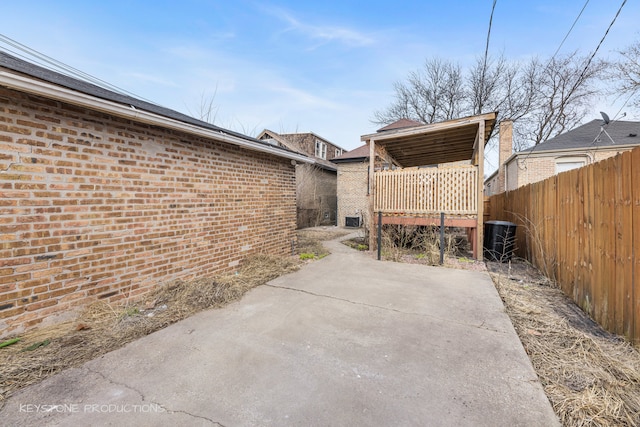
{"x": 427, "y": 191}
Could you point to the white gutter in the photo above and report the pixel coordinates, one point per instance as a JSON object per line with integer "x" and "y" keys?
{"x": 60, "y": 93}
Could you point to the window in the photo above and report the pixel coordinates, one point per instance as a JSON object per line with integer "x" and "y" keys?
{"x": 568, "y": 163}
{"x": 321, "y": 149}
{"x": 338, "y": 152}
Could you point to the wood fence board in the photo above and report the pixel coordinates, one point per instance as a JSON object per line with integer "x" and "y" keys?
{"x": 609, "y": 270}
{"x": 551, "y": 230}
{"x": 635, "y": 235}
{"x": 610, "y": 281}
{"x": 599, "y": 299}
{"x": 590, "y": 236}
{"x": 575, "y": 218}
{"x": 565, "y": 201}
{"x": 623, "y": 243}
{"x": 583, "y": 278}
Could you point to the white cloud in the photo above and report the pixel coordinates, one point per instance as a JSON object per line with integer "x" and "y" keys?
{"x": 300, "y": 98}
{"x": 321, "y": 33}
{"x": 150, "y": 78}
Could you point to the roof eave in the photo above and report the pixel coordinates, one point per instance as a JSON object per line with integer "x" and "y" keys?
{"x": 539, "y": 153}
{"x": 52, "y": 91}
{"x": 429, "y": 127}
{"x": 351, "y": 160}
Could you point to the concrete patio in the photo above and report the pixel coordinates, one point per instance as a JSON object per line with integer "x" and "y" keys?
{"x": 346, "y": 340}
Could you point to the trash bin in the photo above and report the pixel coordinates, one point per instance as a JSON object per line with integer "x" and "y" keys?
{"x": 499, "y": 240}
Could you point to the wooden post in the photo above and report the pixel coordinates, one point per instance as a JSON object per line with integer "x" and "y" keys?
{"x": 372, "y": 193}
{"x": 480, "y": 160}
{"x": 441, "y": 238}
{"x": 379, "y": 235}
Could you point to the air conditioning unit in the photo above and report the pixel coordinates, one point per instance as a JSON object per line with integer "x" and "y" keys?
{"x": 352, "y": 221}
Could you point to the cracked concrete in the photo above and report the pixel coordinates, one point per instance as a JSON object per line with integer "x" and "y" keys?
{"x": 480, "y": 326}
{"x": 347, "y": 340}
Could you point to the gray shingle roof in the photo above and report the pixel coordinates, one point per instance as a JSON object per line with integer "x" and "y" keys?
{"x": 27, "y": 68}
{"x": 589, "y": 136}
{"x": 356, "y": 155}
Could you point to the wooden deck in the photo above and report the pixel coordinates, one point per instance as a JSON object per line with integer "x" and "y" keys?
{"x": 428, "y": 191}
{"x": 419, "y": 196}
{"x": 415, "y": 191}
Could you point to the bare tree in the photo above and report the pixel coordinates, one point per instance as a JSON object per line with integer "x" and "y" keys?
{"x": 431, "y": 94}
{"x": 626, "y": 74}
{"x": 565, "y": 91}
{"x": 207, "y": 110}
{"x": 543, "y": 98}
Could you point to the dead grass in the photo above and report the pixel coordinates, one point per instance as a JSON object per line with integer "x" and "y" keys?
{"x": 591, "y": 377}
{"x": 102, "y": 327}
{"x": 310, "y": 239}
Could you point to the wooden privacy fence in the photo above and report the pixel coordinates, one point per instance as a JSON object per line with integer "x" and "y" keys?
{"x": 582, "y": 228}
{"x": 432, "y": 190}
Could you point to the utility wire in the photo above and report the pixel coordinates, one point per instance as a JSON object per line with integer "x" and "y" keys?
{"x": 601, "y": 41}
{"x": 554, "y": 55}
{"x": 586, "y": 67}
{"x": 633, "y": 92}
{"x": 570, "y": 29}
{"x": 58, "y": 66}
{"x": 486, "y": 55}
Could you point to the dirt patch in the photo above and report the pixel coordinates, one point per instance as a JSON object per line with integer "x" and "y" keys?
{"x": 103, "y": 327}
{"x": 358, "y": 243}
{"x": 310, "y": 240}
{"x": 591, "y": 377}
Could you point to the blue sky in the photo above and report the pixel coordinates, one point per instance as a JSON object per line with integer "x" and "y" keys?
{"x": 294, "y": 66}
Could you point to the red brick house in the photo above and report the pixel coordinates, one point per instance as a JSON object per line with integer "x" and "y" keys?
{"x": 104, "y": 196}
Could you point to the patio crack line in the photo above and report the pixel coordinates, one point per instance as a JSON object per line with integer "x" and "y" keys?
{"x": 395, "y": 310}
{"x": 197, "y": 416}
{"x": 144, "y": 399}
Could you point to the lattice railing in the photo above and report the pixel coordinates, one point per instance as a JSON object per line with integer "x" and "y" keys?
{"x": 427, "y": 191}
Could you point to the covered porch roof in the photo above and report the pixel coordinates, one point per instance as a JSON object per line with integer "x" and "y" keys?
{"x": 444, "y": 142}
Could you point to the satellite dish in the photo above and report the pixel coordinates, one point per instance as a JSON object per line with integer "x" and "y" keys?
{"x": 605, "y": 117}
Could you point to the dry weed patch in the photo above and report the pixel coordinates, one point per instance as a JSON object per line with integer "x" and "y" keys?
{"x": 591, "y": 377}
{"x": 103, "y": 327}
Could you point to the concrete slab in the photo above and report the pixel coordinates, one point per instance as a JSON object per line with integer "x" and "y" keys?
{"x": 347, "y": 340}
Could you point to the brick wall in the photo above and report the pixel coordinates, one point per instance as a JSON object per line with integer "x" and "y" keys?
{"x": 97, "y": 207}
{"x": 537, "y": 168}
{"x": 316, "y": 196}
{"x": 352, "y": 191}
{"x": 306, "y": 143}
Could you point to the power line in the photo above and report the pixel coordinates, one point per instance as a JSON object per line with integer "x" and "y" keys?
{"x": 570, "y": 29}
{"x": 486, "y": 55}
{"x": 486, "y": 49}
{"x": 601, "y": 41}
{"x": 586, "y": 67}
{"x": 60, "y": 67}
{"x": 633, "y": 92}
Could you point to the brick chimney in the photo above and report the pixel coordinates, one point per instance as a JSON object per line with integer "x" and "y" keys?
{"x": 505, "y": 151}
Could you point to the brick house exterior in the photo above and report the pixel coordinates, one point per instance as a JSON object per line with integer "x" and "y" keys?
{"x": 353, "y": 185}
{"x": 353, "y": 178}
{"x": 316, "y": 198}
{"x": 104, "y": 197}
{"x": 581, "y": 146}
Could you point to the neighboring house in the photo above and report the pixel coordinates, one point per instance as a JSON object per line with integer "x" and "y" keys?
{"x": 105, "y": 197}
{"x": 353, "y": 179}
{"x": 316, "y": 183}
{"x": 353, "y": 186}
{"x": 586, "y": 144}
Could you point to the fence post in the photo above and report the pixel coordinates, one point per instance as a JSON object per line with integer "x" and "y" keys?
{"x": 441, "y": 238}
{"x": 379, "y": 235}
